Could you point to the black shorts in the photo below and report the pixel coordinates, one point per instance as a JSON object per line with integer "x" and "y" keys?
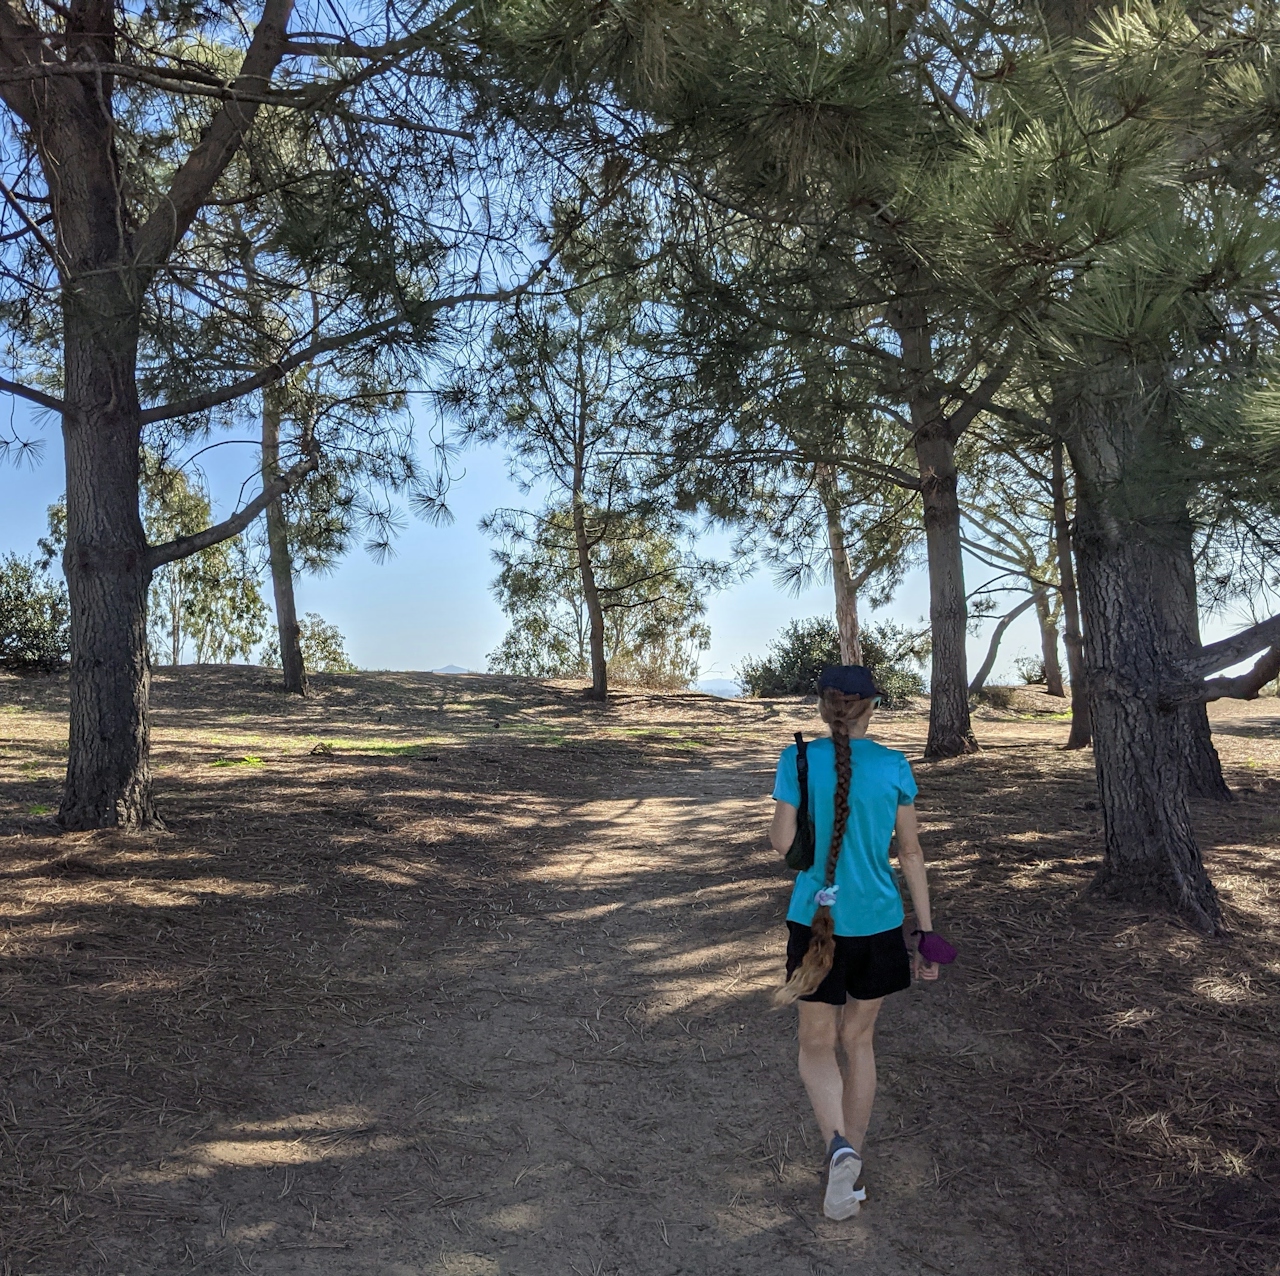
{"x": 864, "y": 967}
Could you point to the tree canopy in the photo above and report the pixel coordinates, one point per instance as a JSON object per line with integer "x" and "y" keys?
{"x": 866, "y": 285}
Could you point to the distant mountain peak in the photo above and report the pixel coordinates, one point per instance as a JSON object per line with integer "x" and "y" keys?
{"x": 451, "y": 669}
{"x": 725, "y": 688}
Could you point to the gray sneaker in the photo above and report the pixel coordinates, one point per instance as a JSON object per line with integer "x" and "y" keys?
{"x": 845, "y": 1192}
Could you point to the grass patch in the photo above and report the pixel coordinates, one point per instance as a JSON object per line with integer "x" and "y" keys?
{"x": 249, "y": 759}
{"x": 38, "y": 809}
{"x": 653, "y": 733}
{"x": 387, "y": 748}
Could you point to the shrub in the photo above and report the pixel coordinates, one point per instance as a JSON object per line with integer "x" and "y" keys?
{"x": 894, "y": 655}
{"x": 34, "y": 616}
{"x": 323, "y": 648}
{"x": 796, "y": 657}
{"x": 1030, "y": 668}
{"x": 794, "y": 660}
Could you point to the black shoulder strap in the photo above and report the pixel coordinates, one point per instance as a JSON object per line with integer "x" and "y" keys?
{"x": 802, "y": 771}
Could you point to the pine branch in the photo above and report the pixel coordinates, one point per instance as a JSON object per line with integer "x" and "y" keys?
{"x": 185, "y": 546}
{"x": 33, "y": 396}
{"x": 208, "y": 160}
{"x": 271, "y": 373}
{"x": 1246, "y": 686}
{"x": 1230, "y": 651}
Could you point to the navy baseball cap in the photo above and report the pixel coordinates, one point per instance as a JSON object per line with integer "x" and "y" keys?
{"x": 851, "y": 680}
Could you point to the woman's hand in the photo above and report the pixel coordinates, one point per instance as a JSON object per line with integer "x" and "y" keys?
{"x": 923, "y": 969}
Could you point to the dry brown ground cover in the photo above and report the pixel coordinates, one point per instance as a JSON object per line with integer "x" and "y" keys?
{"x": 465, "y": 976}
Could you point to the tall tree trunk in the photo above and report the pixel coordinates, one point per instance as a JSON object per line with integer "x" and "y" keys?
{"x": 846, "y": 587}
{"x": 108, "y": 780}
{"x": 934, "y": 437}
{"x": 950, "y": 732}
{"x": 295, "y": 673}
{"x": 1048, "y": 643}
{"x": 1182, "y": 633}
{"x": 984, "y": 670}
{"x": 1150, "y": 851}
{"x": 595, "y": 612}
{"x": 1081, "y": 734}
{"x": 175, "y": 614}
{"x": 1204, "y": 767}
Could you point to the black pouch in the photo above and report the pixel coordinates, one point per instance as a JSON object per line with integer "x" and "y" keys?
{"x": 800, "y": 853}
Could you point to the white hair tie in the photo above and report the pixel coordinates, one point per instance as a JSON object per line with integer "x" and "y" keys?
{"x": 827, "y": 896}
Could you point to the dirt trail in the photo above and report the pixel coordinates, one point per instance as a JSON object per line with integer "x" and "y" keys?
{"x": 479, "y": 1002}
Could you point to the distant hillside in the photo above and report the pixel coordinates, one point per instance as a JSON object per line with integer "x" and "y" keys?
{"x": 724, "y": 687}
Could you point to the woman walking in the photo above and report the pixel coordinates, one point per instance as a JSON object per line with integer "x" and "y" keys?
{"x": 845, "y": 951}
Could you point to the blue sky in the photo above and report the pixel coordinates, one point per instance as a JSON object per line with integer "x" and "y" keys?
{"x": 429, "y": 605}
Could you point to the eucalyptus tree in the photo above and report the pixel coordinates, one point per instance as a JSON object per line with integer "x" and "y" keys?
{"x": 120, "y": 128}
{"x": 209, "y": 600}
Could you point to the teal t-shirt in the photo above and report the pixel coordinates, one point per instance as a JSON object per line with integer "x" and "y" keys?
{"x": 868, "y": 900}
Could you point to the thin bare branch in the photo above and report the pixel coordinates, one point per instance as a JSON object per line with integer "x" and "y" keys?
{"x": 33, "y": 396}
{"x": 1230, "y": 651}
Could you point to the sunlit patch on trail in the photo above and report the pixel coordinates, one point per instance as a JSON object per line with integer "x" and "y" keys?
{"x": 1227, "y": 990}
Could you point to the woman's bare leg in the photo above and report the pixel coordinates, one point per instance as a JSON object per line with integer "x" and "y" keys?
{"x": 819, "y": 1068}
{"x": 857, "y": 1036}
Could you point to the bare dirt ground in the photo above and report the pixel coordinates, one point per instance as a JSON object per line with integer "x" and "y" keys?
{"x": 463, "y": 976}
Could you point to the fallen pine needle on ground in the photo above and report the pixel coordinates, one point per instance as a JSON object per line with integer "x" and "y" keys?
{"x": 467, "y": 975}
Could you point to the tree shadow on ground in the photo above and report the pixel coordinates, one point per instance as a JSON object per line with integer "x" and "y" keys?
{"x": 508, "y": 1014}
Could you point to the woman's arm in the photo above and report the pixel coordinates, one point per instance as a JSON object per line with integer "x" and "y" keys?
{"x": 782, "y": 832}
{"x": 911, "y": 857}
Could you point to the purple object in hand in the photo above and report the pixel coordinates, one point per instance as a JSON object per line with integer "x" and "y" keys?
{"x": 933, "y": 947}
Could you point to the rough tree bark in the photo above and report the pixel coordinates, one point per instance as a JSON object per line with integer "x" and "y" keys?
{"x": 846, "y": 586}
{"x": 1081, "y": 733}
{"x": 1150, "y": 852}
{"x": 105, "y": 560}
{"x": 1182, "y": 634}
{"x": 934, "y": 437}
{"x": 950, "y": 732}
{"x": 108, "y": 780}
{"x": 104, "y": 268}
{"x": 279, "y": 554}
{"x": 1048, "y": 643}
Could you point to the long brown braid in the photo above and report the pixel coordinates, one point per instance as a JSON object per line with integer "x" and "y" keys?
{"x": 840, "y": 713}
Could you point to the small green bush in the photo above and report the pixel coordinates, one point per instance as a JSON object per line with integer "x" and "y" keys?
{"x": 894, "y": 654}
{"x": 323, "y": 647}
{"x": 34, "y": 617}
{"x": 794, "y": 660}
{"x": 796, "y": 657}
